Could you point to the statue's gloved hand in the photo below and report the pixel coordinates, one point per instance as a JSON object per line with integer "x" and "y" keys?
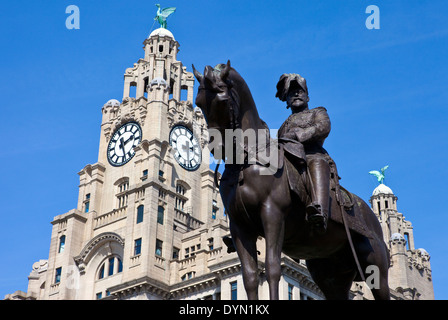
{"x": 291, "y": 135}
{"x": 304, "y": 135}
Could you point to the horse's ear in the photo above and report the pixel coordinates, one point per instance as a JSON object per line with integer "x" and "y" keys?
{"x": 197, "y": 74}
{"x": 209, "y": 80}
{"x": 225, "y": 71}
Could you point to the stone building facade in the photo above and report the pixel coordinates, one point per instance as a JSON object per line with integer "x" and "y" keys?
{"x": 149, "y": 222}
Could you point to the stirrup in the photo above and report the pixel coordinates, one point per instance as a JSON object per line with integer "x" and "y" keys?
{"x": 316, "y": 218}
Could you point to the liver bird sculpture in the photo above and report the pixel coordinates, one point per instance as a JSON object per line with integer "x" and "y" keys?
{"x": 163, "y": 14}
{"x": 379, "y": 174}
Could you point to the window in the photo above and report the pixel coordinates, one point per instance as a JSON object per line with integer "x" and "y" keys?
{"x": 61, "y": 244}
{"x": 145, "y": 86}
{"x": 159, "y": 244}
{"x": 87, "y": 203}
{"x": 290, "y": 293}
{"x": 406, "y": 236}
{"x": 113, "y": 265}
{"x": 188, "y": 276}
{"x": 140, "y": 213}
{"x": 180, "y": 199}
{"x": 101, "y": 274}
{"x": 175, "y": 253}
{"x": 233, "y": 291}
{"x": 133, "y": 90}
{"x": 180, "y": 189}
{"x": 214, "y": 209}
{"x": 180, "y": 204}
{"x": 57, "y": 277}
{"x": 160, "y": 214}
{"x": 210, "y": 244}
{"x": 99, "y": 295}
{"x": 192, "y": 251}
{"x": 120, "y": 266}
{"x": 123, "y": 186}
{"x": 122, "y": 196}
{"x": 137, "y": 246}
{"x": 145, "y": 175}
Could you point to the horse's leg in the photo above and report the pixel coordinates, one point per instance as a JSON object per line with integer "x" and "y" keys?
{"x": 334, "y": 283}
{"x": 373, "y": 255}
{"x": 246, "y": 248}
{"x": 376, "y": 267}
{"x": 273, "y": 225}
{"x": 382, "y": 292}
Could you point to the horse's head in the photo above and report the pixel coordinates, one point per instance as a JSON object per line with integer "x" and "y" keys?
{"x": 217, "y": 101}
{"x": 214, "y": 95}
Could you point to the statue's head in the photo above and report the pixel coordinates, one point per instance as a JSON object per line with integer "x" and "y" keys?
{"x": 292, "y": 88}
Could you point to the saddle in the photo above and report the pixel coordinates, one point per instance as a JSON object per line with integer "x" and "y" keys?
{"x": 347, "y": 202}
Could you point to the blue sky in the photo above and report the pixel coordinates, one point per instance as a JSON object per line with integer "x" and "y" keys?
{"x": 385, "y": 91}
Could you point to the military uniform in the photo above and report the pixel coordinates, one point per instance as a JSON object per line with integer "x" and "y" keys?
{"x": 302, "y": 136}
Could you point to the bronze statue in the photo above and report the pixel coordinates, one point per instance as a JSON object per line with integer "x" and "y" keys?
{"x": 163, "y": 14}
{"x": 275, "y": 206}
{"x": 306, "y": 130}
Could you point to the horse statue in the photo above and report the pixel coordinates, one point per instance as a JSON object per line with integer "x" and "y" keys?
{"x": 265, "y": 204}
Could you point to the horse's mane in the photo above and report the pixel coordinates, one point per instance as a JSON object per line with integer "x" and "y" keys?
{"x": 235, "y": 80}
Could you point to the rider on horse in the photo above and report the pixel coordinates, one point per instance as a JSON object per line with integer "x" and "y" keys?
{"x": 303, "y": 135}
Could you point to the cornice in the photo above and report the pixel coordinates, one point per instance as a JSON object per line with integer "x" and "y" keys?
{"x": 74, "y": 213}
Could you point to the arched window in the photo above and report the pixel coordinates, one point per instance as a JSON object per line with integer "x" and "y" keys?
{"x": 110, "y": 266}
{"x": 140, "y": 210}
{"x": 181, "y": 196}
{"x": 121, "y": 192}
{"x": 61, "y": 244}
{"x": 406, "y": 236}
{"x": 160, "y": 214}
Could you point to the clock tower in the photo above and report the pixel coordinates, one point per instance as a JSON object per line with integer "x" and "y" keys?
{"x": 150, "y": 193}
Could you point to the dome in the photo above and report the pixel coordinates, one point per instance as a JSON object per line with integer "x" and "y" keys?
{"x": 112, "y": 103}
{"x": 397, "y": 236}
{"x": 162, "y": 32}
{"x": 158, "y": 81}
{"x": 382, "y": 189}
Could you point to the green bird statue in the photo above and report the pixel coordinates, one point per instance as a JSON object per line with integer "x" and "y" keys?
{"x": 379, "y": 174}
{"x": 163, "y": 14}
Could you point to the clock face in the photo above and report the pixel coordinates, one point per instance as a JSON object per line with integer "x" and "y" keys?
{"x": 121, "y": 146}
{"x": 187, "y": 150}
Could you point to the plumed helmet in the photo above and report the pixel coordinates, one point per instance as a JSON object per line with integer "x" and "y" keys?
{"x": 286, "y": 82}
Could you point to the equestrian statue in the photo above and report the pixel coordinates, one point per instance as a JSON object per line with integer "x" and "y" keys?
{"x": 300, "y": 209}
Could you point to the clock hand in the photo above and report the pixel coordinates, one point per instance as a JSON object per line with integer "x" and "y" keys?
{"x": 131, "y": 138}
{"x": 122, "y": 145}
